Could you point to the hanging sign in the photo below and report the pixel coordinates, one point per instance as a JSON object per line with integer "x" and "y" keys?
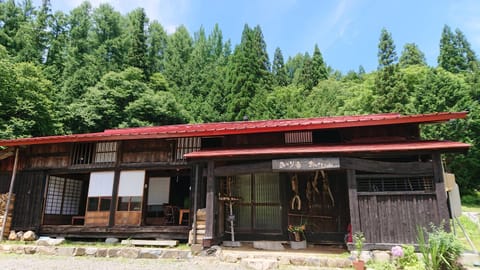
{"x": 305, "y": 164}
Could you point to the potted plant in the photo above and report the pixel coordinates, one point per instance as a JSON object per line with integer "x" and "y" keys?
{"x": 359, "y": 239}
{"x": 298, "y": 232}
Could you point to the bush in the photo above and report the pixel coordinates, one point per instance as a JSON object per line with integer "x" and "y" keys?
{"x": 442, "y": 249}
{"x": 409, "y": 258}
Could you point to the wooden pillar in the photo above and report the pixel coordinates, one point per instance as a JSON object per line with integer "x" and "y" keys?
{"x": 440, "y": 192}
{"x": 353, "y": 202}
{"x": 116, "y": 182}
{"x": 10, "y": 191}
{"x": 210, "y": 206}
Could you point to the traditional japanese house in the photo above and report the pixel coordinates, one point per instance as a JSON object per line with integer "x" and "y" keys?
{"x": 372, "y": 173}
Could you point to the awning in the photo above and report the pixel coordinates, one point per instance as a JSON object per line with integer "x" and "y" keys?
{"x": 442, "y": 146}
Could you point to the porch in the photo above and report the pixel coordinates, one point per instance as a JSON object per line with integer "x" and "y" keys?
{"x": 143, "y": 232}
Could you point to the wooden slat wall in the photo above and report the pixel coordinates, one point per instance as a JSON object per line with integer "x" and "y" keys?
{"x": 5, "y": 182}
{"x": 146, "y": 151}
{"x": 394, "y": 218}
{"x": 29, "y": 188}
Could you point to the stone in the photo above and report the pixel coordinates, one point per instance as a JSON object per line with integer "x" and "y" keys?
{"x": 17, "y": 249}
{"x": 65, "y": 251}
{"x": 298, "y": 244}
{"x": 230, "y": 258}
{"x": 46, "y": 241}
{"x": 312, "y": 261}
{"x": 46, "y": 250}
{"x": 175, "y": 254}
{"x": 259, "y": 264}
{"x": 381, "y": 256}
{"x": 112, "y": 240}
{"x": 268, "y": 245}
{"x": 112, "y": 252}
{"x": 196, "y": 249}
{"x": 130, "y": 253}
{"x": 12, "y": 236}
{"x": 29, "y": 236}
{"x": 91, "y": 251}
{"x": 30, "y": 250}
{"x": 212, "y": 251}
{"x": 297, "y": 261}
{"x": 101, "y": 252}
{"x": 79, "y": 251}
{"x": 149, "y": 253}
{"x": 19, "y": 235}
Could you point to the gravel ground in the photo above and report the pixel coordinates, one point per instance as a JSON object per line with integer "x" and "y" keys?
{"x": 43, "y": 262}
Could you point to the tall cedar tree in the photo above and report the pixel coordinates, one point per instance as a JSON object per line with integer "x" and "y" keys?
{"x": 137, "y": 51}
{"x": 278, "y": 69}
{"x": 319, "y": 67}
{"x": 411, "y": 55}
{"x": 387, "y": 55}
{"x": 390, "y": 91}
{"x": 248, "y": 74}
{"x": 455, "y": 52}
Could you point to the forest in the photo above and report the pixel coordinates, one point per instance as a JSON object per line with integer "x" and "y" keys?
{"x": 94, "y": 69}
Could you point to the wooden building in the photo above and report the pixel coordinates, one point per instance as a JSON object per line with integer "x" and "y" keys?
{"x": 372, "y": 172}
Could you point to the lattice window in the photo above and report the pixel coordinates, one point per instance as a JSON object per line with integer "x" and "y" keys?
{"x": 88, "y": 153}
{"x": 63, "y": 196}
{"x": 405, "y": 183}
{"x": 298, "y": 137}
{"x": 187, "y": 145}
{"x": 71, "y": 197}
{"x": 105, "y": 152}
{"x": 82, "y": 153}
{"x": 53, "y": 204}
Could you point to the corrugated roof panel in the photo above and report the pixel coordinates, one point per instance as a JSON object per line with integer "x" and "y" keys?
{"x": 445, "y": 146}
{"x": 241, "y": 127}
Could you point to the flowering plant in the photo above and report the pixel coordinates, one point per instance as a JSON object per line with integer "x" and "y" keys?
{"x": 296, "y": 228}
{"x": 359, "y": 239}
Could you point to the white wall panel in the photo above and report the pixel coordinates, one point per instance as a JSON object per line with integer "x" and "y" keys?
{"x": 131, "y": 183}
{"x": 101, "y": 184}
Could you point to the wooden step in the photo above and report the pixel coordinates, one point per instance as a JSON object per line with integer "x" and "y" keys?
{"x": 160, "y": 243}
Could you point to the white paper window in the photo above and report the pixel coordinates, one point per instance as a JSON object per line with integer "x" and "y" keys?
{"x": 131, "y": 183}
{"x": 158, "y": 190}
{"x": 101, "y": 184}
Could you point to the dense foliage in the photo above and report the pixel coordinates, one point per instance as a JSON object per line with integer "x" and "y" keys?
{"x": 94, "y": 68}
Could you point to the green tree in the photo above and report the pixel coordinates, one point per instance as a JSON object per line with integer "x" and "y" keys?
{"x": 456, "y": 54}
{"x": 319, "y": 67}
{"x": 411, "y": 55}
{"x": 177, "y": 55}
{"x": 156, "y": 46}
{"x": 278, "y": 69}
{"x": 137, "y": 47}
{"x": 387, "y": 55}
{"x": 248, "y": 76}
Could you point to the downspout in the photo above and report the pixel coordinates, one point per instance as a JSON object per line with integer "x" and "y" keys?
{"x": 5, "y": 215}
{"x": 194, "y": 228}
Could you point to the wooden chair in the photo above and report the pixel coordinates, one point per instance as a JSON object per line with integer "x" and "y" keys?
{"x": 170, "y": 215}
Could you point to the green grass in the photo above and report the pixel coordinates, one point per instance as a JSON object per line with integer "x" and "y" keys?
{"x": 473, "y": 232}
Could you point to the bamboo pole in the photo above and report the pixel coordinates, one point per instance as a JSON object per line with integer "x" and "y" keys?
{"x": 5, "y": 215}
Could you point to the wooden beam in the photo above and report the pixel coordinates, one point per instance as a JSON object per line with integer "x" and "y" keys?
{"x": 210, "y": 205}
{"x": 386, "y": 167}
{"x": 12, "y": 182}
{"x": 243, "y": 168}
{"x": 353, "y": 201}
{"x": 116, "y": 182}
{"x": 440, "y": 191}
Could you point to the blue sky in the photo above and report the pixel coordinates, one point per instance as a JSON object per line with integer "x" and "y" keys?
{"x": 346, "y": 31}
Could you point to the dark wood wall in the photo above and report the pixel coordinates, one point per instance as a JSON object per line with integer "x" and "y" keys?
{"x": 147, "y": 151}
{"x": 395, "y": 218}
{"x": 29, "y": 189}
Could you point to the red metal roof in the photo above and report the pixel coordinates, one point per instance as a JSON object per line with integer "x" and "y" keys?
{"x": 443, "y": 146}
{"x": 240, "y": 127}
